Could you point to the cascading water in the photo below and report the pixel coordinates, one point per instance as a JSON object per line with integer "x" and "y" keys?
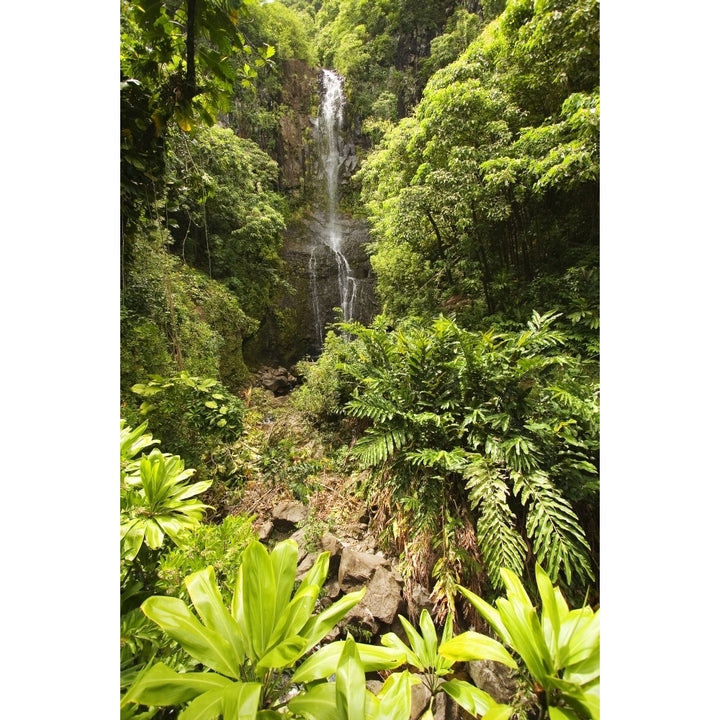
{"x": 330, "y": 154}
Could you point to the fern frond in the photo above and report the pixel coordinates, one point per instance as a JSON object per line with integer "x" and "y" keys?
{"x": 373, "y": 407}
{"x": 376, "y": 447}
{"x": 500, "y": 543}
{"x": 558, "y": 541}
{"x": 452, "y": 461}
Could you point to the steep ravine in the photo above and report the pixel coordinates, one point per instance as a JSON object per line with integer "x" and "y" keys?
{"x": 324, "y": 246}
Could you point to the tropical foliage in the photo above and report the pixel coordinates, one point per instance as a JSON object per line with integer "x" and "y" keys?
{"x": 156, "y": 500}
{"x": 559, "y": 647}
{"x": 492, "y": 183}
{"x": 481, "y": 444}
{"x": 247, "y": 648}
{"x": 469, "y": 408}
{"x": 434, "y": 658}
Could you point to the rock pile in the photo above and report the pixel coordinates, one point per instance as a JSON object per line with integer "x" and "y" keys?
{"x": 355, "y": 563}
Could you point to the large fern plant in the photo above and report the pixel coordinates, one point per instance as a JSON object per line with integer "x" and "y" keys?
{"x": 480, "y": 444}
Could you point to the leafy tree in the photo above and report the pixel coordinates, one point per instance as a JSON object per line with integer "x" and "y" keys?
{"x": 493, "y": 182}
{"x": 481, "y": 446}
{"x": 175, "y": 68}
{"x": 225, "y": 217}
{"x": 175, "y": 318}
{"x": 191, "y": 414}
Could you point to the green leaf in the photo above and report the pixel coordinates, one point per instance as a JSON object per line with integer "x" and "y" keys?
{"x": 317, "y": 703}
{"x": 284, "y": 559}
{"x": 350, "y": 683}
{"x": 471, "y": 645}
{"x": 557, "y": 713}
{"x": 476, "y": 701}
{"x": 241, "y": 700}
{"x": 429, "y": 635}
{"x": 323, "y": 662}
{"x": 395, "y": 698}
{"x": 489, "y": 613}
{"x": 319, "y": 626}
{"x": 206, "y": 646}
{"x": 283, "y": 655}
{"x": 205, "y": 595}
{"x": 417, "y": 643}
{"x": 258, "y": 596}
{"x": 162, "y": 686}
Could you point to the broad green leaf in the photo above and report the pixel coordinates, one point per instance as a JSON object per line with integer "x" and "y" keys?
{"x": 284, "y": 563}
{"x": 295, "y": 616}
{"x": 417, "y": 643}
{"x": 195, "y": 489}
{"x": 154, "y": 535}
{"x": 319, "y": 626}
{"x": 162, "y": 686}
{"x": 205, "y": 595}
{"x": 489, "y": 613}
{"x": 350, "y": 683}
{"x": 515, "y": 587}
{"x": 580, "y": 636}
{"x": 208, "y": 706}
{"x": 317, "y": 573}
{"x": 395, "y": 698}
{"x": 586, "y": 672}
{"x": 206, "y": 646}
{"x": 429, "y": 635}
{"x": 258, "y": 596}
{"x": 471, "y": 645}
{"x": 323, "y": 662}
{"x": 475, "y": 701}
{"x": 551, "y": 612}
{"x": 317, "y": 703}
{"x": 392, "y": 641}
{"x": 283, "y": 655}
{"x": 557, "y": 713}
{"x": 241, "y": 700}
{"x": 528, "y": 640}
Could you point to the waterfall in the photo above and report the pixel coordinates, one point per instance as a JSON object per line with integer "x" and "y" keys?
{"x": 329, "y": 143}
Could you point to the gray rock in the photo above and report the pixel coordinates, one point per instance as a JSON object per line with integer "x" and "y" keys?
{"x": 419, "y": 699}
{"x": 304, "y": 567}
{"x": 265, "y": 530}
{"x": 494, "y": 678}
{"x": 357, "y": 568}
{"x": 383, "y": 597}
{"x": 288, "y": 515}
{"x": 329, "y": 543}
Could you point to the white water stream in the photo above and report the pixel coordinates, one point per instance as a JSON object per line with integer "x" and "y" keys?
{"x": 330, "y": 145}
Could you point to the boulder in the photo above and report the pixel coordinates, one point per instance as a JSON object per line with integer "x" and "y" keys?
{"x": 357, "y": 568}
{"x": 288, "y": 515}
{"x": 419, "y": 699}
{"x": 383, "y": 597}
{"x": 494, "y": 678}
{"x": 278, "y": 380}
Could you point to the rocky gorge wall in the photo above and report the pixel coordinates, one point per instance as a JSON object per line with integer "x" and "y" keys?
{"x": 315, "y": 271}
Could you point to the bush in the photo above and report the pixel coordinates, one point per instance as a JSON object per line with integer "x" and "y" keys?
{"x": 220, "y": 546}
{"x": 191, "y": 415}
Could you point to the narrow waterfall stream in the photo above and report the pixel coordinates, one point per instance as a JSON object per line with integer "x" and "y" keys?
{"x": 330, "y": 155}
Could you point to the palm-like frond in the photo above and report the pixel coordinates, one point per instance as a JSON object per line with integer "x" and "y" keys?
{"x": 558, "y": 541}
{"x": 502, "y": 545}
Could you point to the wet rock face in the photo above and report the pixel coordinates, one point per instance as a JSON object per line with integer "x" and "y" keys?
{"x": 314, "y": 273}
